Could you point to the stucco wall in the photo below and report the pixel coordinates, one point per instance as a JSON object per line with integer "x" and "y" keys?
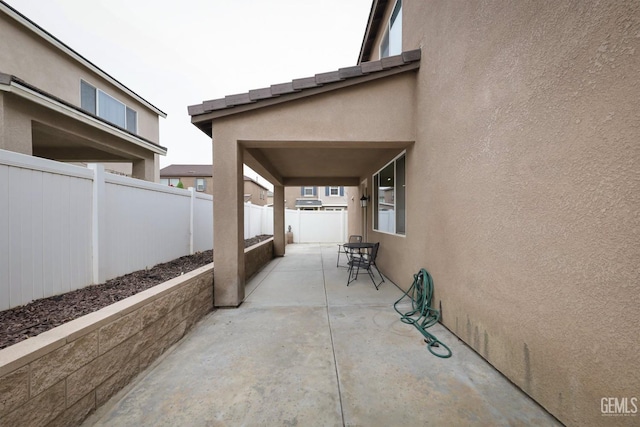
{"x": 63, "y": 74}
{"x": 523, "y": 191}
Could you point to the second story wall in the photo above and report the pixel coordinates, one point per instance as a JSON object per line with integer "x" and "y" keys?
{"x": 41, "y": 61}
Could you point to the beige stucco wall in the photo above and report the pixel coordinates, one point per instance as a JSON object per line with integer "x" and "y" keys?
{"x": 523, "y": 191}
{"x": 53, "y": 71}
{"x": 257, "y": 192}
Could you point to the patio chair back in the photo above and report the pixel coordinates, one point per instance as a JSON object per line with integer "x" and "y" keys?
{"x": 354, "y": 238}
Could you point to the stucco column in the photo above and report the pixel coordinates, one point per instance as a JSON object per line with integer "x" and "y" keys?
{"x": 145, "y": 168}
{"x": 278, "y": 220}
{"x": 228, "y": 224}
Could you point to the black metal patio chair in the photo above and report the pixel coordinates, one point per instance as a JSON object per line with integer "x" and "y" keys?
{"x": 354, "y": 238}
{"x": 366, "y": 262}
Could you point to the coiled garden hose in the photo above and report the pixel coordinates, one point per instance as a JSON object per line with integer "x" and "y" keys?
{"x": 422, "y": 316}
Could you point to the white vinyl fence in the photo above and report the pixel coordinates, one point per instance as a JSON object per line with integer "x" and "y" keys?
{"x": 63, "y": 227}
{"x": 307, "y": 226}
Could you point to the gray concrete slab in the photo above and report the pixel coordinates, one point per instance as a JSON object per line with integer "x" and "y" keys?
{"x": 305, "y": 349}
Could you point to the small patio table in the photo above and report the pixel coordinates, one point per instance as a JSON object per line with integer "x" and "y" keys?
{"x": 359, "y": 249}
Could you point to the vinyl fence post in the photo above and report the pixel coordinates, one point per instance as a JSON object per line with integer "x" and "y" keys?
{"x": 98, "y": 224}
{"x": 191, "y": 221}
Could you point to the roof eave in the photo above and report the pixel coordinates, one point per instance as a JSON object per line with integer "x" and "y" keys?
{"x": 370, "y": 33}
{"x": 44, "y": 34}
{"x": 11, "y": 84}
{"x": 203, "y": 121}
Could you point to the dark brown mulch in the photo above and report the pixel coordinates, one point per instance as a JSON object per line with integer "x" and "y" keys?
{"x": 29, "y": 320}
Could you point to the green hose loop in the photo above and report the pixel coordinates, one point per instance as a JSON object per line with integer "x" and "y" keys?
{"x": 422, "y": 316}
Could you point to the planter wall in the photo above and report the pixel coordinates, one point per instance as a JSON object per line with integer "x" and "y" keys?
{"x": 256, "y": 256}
{"x": 62, "y": 375}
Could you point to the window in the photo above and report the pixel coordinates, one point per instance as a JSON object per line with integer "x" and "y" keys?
{"x": 389, "y": 192}
{"x": 392, "y": 39}
{"x": 107, "y": 107}
{"x": 171, "y": 182}
{"x": 201, "y": 184}
{"x": 308, "y": 191}
{"x": 334, "y": 191}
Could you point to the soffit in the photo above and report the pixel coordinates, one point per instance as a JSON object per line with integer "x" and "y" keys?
{"x": 318, "y": 165}
{"x": 56, "y": 144}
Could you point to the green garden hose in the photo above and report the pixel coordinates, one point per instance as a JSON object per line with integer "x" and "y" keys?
{"x": 422, "y": 316}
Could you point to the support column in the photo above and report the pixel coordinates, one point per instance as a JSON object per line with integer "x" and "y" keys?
{"x": 278, "y": 220}
{"x": 228, "y": 224}
{"x": 144, "y": 169}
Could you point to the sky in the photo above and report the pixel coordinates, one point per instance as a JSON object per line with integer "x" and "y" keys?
{"x": 180, "y": 53}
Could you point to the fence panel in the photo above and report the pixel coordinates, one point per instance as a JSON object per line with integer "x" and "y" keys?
{"x": 45, "y": 228}
{"x": 203, "y": 223}
{"x": 317, "y": 226}
{"x": 147, "y": 224}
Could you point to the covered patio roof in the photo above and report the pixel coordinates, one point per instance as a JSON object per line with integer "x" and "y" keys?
{"x": 325, "y": 147}
{"x": 334, "y": 128}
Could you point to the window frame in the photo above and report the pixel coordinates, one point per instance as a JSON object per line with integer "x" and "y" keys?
{"x": 337, "y": 191}
{"x": 388, "y": 41}
{"x": 204, "y": 184}
{"x": 304, "y": 192}
{"x": 98, "y": 94}
{"x": 399, "y": 198}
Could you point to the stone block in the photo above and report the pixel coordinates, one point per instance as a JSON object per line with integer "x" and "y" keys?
{"x": 96, "y": 372}
{"x": 39, "y": 411}
{"x": 119, "y": 330}
{"x": 153, "y": 312}
{"x": 14, "y": 390}
{"x": 77, "y": 413}
{"x": 151, "y": 353}
{"x": 58, "y": 364}
{"x": 117, "y": 381}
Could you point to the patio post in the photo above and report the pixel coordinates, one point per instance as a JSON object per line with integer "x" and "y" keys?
{"x": 278, "y": 220}
{"x": 228, "y": 224}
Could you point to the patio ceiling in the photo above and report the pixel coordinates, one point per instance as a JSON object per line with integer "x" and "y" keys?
{"x": 319, "y": 163}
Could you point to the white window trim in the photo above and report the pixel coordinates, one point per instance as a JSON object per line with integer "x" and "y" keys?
{"x": 334, "y": 195}
{"x": 375, "y": 196}
{"x": 97, "y": 106}
{"x": 198, "y": 186}
{"x": 304, "y": 192}
{"x": 387, "y": 31}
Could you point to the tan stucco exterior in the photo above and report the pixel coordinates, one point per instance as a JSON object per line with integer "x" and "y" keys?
{"x": 521, "y": 132}
{"x": 48, "y": 75}
{"x": 255, "y": 193}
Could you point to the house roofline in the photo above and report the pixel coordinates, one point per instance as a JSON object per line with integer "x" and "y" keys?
{"x": 38, "y": 30}
{"x": 202, "y": 114}
{"x": 373, "y": 23}
{"x": 12, "y": 84}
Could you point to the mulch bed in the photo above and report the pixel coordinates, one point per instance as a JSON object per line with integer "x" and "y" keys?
{"x": 29, "y": 320}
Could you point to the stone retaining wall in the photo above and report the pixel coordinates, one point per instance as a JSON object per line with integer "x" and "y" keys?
{"x": 59, "y": 377}
{"x": 256, "y": 256}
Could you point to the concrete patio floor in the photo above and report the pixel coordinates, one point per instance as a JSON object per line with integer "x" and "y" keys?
{"x": 304, "y": 349}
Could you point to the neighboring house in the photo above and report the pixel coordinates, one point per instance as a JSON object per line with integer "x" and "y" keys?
{"x": 199, "y": 177}
{"x": 317, "y": 198}
{"x": 254, "y": 192}
{"x": 56, "y": 104}
{"x": 498, "y": 143}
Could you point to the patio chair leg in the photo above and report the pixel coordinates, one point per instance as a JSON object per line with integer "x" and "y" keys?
{"x": 372, "y": 280}
{"x": 379, "y": 274}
